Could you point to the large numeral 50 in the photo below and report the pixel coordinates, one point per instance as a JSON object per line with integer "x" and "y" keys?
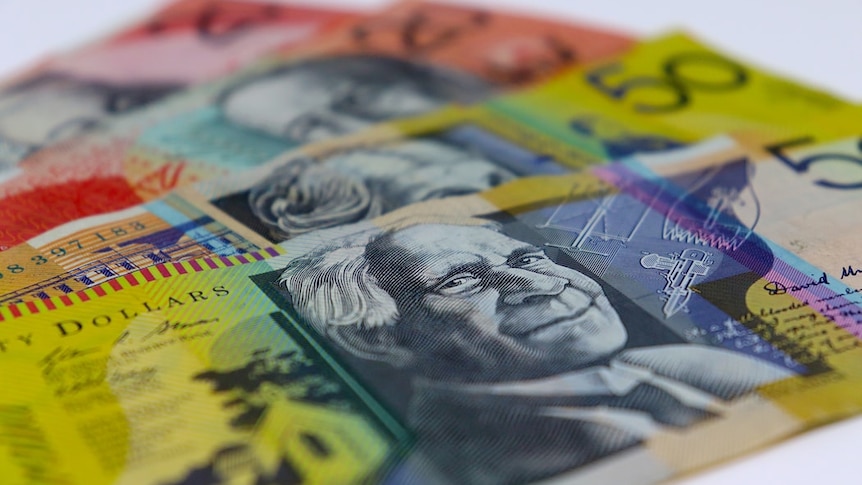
{"x": 802, "y": 165}
{"x": 674, "y": 81}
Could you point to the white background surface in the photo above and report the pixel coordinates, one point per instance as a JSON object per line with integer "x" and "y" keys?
{"x": 818, "y": 42}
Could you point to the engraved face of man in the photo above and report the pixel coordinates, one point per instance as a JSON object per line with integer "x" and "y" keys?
{"x": 53, "y": 108}
{"x": 327, "y": 98}
{"x": 303, "y": 106}
{"x": 491, "y": 307}
{"x": 49, "y": 112}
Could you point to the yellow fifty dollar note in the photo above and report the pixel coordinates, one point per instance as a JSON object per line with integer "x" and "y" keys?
{"x": 674, "y": 90}
{"x": 196, "y": 381}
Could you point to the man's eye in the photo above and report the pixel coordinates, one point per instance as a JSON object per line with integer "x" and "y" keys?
{"x": 530, "y": 259}
{"x": 458, "y": 282}
{"x": 353, "y": 97}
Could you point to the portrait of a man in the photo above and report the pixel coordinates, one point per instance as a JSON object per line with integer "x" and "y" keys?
{"x": 322, "y": 98}
{"x": 308, "y": 194}
{"x": 519, "y": 368}
{"x": 325, "y": 97}
{"x": 54, "y": 107}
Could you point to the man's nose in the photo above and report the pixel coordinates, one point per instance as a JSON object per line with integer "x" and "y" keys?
{"x": 519, "y": 286}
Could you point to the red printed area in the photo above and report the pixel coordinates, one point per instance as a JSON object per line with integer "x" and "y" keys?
{"x": 506, "y": 49}
{"x": 220, "y": 21}
{"x": 28, "y": 214}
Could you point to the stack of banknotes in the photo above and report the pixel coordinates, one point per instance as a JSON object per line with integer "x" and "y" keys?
{"x": 256, "y": 243}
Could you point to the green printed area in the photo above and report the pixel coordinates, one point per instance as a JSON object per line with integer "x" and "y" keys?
{"x": 205, "y": 135}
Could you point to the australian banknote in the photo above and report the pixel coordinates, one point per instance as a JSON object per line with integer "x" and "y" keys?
{"x": 545, "y": 330}
{"x": 407, "y": 60}
{"x": 184, "y": 43}
{"x": 673, "y": 90}
{"x": 453, "y": 152}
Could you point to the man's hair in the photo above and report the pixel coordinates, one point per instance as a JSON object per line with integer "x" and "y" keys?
{"x": 334, "y": 288}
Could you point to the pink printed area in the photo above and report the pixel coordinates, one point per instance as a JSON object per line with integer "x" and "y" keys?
{"x": 190, "y": 41}
{"x": 69, "y": 162}
{"x": 178, "y": 57}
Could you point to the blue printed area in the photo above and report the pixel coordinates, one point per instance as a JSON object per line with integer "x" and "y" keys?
{"x": 586, "y": 144}
{"x": 726, "y": 223}
{"x": 620, "y": 143}
{"x": 834, "y": 299}
{"x": 624, "y": 239}
{"x": 205, "y": 135}
{"x": 202, "y": 230}
{"x": 504, "y": 153}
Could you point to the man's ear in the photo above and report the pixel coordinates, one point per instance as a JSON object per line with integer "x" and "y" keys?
{"x": 377, "y": 343}
{"x": 303, "y": 195}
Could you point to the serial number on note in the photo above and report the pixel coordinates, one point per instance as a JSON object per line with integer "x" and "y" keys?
{"x": 74, "y": 247}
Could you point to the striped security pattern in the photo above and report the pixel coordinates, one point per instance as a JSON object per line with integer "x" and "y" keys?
{"x": 157, "y": 272}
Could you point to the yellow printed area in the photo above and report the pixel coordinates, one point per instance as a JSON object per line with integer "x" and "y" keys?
{"x": 677, "y": 88}
{"x": 533, "y": 192}
{"x": 719, "y": 90}
{"x": 57, "y": 390}
{"x": 837, "y": 124}
{"x": 121, "y": 389}
{"x": 157, "y": 272}
{"x": 325, "y": 445}
{"x": 533, "y": 139}
{"x": 802, "y": 330}
{"x": 520, "y": 195}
